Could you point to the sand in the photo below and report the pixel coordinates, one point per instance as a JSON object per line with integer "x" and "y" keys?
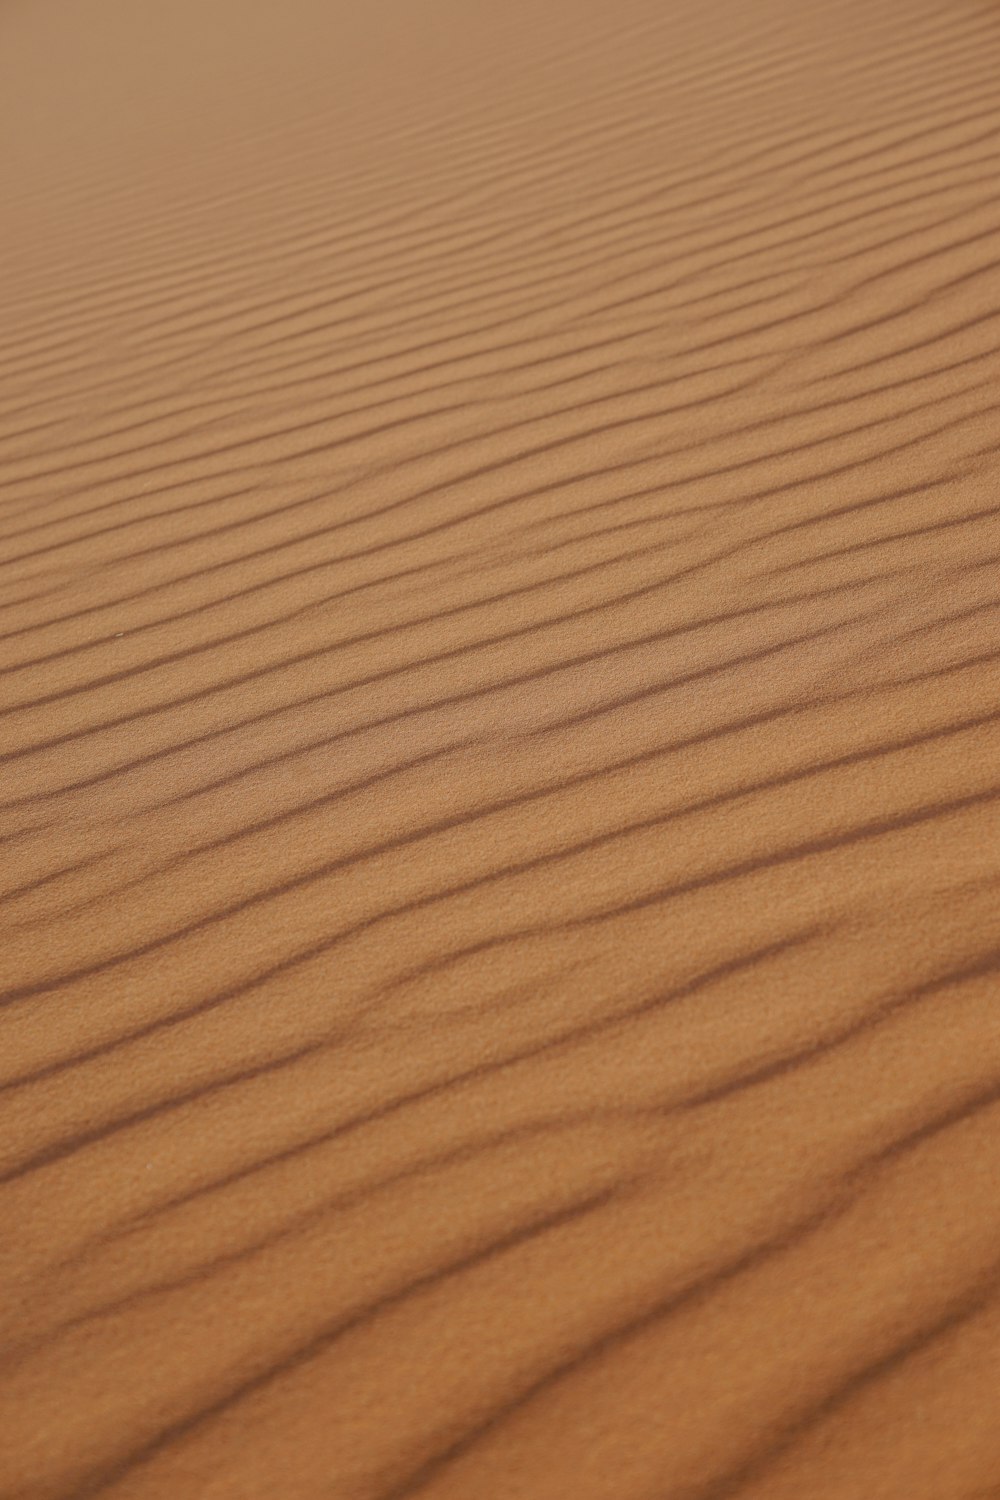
{"x": 500, "y": 750}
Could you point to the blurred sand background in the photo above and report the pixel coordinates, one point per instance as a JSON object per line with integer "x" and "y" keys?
{"x": 500, "y": 781}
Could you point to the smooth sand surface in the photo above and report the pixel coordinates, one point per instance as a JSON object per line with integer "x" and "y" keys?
{"x": 501, "y": 759}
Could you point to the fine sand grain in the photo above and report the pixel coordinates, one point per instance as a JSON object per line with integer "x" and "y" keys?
{"x": 500, "y": 748}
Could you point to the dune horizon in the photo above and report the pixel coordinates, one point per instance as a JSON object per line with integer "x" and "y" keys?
{"x": 500, "y": 750}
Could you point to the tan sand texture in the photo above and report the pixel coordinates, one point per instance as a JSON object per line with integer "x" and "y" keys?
{"x": 500, "y": 750}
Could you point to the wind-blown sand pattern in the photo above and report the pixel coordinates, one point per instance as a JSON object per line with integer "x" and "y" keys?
{"x": 501, "y": 755}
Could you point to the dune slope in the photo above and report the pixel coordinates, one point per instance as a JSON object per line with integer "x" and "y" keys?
{"x": 500, "y": 750}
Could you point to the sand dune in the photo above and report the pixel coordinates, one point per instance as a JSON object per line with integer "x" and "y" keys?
{"x": 500, "y": 750}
